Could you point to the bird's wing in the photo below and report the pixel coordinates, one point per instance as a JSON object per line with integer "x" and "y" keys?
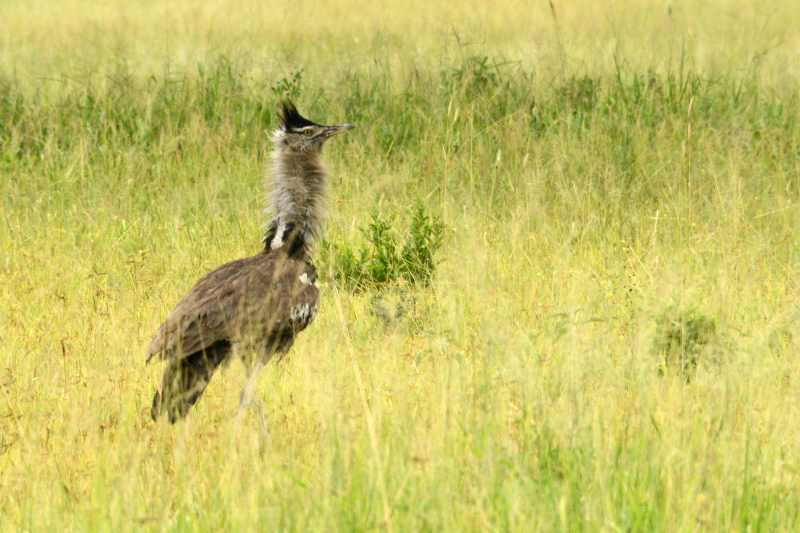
{"x": 264, "y": 295}
{"x": 202, "y": 317}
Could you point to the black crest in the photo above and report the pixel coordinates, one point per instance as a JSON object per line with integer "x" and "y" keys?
{"x": 291, "y": 118}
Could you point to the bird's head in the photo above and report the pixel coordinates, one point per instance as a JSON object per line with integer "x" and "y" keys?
{"x": 298, "y": 134}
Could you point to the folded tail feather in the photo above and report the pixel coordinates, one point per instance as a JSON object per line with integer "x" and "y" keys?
{"x": 186, "y": 379}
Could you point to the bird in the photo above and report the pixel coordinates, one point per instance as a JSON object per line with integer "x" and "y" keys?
{"x": 253, "y": 308}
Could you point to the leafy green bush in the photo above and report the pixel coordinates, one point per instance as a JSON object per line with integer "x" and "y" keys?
{"x": 681, "y": 336}
{"x": 388, "y": 255}
{"x": 290, "y": 87}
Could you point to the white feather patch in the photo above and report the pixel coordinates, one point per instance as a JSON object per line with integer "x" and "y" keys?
{"x": 277, "y": 242}
{"x": 302, "y": 315}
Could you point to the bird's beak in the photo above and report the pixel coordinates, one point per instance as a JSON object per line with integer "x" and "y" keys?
{"x": 333, "y": 130}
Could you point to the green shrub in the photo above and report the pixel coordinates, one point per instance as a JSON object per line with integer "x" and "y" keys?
{"x": 681, "y": 336}
{"x": 389, "y": 254}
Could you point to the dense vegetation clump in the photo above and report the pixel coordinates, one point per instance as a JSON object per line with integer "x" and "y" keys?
{"x": 681, "y": 336}
{"x": 389, "y": 254}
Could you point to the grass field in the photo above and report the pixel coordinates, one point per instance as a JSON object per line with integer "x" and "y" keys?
{"x": 609, "y": 341}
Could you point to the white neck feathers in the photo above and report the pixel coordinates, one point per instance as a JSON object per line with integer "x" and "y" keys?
{"x": 297, "y": 193}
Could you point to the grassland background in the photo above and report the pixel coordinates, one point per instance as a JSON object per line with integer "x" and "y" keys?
{"x": 597, "y": 170}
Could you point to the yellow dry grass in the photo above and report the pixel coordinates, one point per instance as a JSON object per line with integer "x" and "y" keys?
{"x": 524, "y": 393}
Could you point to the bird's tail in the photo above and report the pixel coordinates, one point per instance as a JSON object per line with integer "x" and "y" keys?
{"x": 185, "y": 380}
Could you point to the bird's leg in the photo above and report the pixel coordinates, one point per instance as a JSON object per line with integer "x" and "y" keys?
{"x": 253, "y": 372}
{"x": 261, "y": 421}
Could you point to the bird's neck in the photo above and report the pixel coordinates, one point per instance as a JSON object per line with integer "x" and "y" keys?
{"x": 298, "y": 195}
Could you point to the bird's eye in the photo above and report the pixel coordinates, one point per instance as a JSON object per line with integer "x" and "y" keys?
{"x": 308, "y": 133}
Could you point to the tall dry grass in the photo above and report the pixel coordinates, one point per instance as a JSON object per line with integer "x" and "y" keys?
{"x": 609, "y": 339}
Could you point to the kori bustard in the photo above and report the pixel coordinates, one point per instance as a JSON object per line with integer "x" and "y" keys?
{"x": 253, "y": 308}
